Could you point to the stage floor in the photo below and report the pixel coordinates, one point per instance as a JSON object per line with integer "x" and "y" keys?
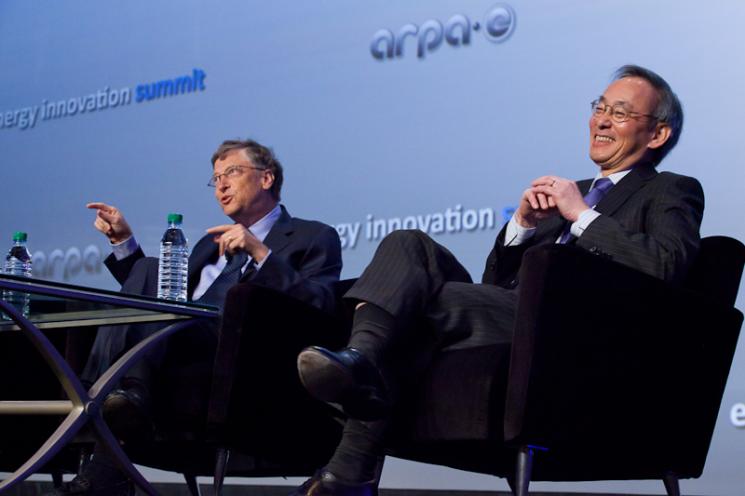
{"x": 38, "y": 488}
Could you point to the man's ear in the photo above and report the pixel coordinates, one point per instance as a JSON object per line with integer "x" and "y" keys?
{"x": 662, "y": 133}
{"x": 267, "y": 180}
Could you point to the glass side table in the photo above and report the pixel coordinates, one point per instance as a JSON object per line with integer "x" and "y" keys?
{"x": 56, "y": 305}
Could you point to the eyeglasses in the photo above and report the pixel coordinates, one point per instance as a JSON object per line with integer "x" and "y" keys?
{"x": 618, "y": 112}
{"x": 231, "y": 173}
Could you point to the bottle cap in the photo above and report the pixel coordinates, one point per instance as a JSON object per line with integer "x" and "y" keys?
{"x": 175, "y": 218}
{"x": 20, "y": 236}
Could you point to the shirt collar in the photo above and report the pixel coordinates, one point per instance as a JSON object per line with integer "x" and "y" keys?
{"x": 614, "y": 178}
{"x": 261, "y": 227}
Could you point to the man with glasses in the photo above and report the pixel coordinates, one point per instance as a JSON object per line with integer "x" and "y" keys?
{"x": 263, "y": 245}
{"x": 629, "y": 213}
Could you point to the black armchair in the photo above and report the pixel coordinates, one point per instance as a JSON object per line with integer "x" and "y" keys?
{"x": 246, "y": 413}
{"x": 628, "y": 388}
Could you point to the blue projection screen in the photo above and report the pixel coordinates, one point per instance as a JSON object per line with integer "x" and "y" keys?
{"x": 386, "y": 114}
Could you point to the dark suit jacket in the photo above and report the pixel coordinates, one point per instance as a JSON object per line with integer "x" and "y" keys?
{"x": 304, "y": 263}
{"x": 650, "y": 222}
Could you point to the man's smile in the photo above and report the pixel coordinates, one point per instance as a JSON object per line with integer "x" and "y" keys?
{"x": 599, "y": 138}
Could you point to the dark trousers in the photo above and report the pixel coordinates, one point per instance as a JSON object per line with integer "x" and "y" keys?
{"x": 434, "y": 305}
{"x": 195, "y": 344}
{"x": 422, "y": 285}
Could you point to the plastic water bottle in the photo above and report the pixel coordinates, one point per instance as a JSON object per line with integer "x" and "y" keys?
{"x": 18, "y": 263}
{"x": 173, "y": 265}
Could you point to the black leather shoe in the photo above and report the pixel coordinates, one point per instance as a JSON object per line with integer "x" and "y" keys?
{"x": 96, "y": 480}
{"x": 347, "y": 378}
{"x": 324, "y": 483}
{"x": 127, "y": 413}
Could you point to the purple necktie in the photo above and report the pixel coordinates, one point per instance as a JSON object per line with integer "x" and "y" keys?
{"x": 592, "y": 198}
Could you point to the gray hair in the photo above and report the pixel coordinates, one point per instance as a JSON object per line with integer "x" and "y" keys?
{"x": 669, "y": 109}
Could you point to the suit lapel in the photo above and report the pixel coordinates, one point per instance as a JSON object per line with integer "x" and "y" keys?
{"x": 278, "y": 236}
{"x": 276, "y": 239}
{"x": 204, "y": 252}
{"x": 626, "y": 187}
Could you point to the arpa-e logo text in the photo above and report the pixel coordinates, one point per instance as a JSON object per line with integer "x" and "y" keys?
{"x": 737, "y": 415}
{"x": 497, "y": 26}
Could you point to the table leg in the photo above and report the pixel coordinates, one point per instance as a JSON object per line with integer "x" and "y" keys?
{"x": 86, "y": 405}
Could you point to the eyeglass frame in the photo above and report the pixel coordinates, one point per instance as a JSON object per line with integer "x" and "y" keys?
{"x": 597, "y": 103}
{"x": 230, "y": 172}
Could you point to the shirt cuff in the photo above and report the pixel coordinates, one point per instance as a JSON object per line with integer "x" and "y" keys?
{"x": 516, "y": 234}
{"x": 583, "y": 222}
{"x": 259, "y": 265}
{"x": 125, "y": 248}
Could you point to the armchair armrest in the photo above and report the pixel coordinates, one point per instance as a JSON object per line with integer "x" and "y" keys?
{"x": 264, "y": 329}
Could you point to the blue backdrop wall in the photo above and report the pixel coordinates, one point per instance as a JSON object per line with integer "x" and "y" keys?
{"x": 384, "y": 113}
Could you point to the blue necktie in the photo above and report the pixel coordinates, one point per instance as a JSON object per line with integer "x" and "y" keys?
{"x": 230, "y": 275}
{"x": 592, "y": 198}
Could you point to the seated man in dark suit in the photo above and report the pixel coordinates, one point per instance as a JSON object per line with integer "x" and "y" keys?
{"x": 629, "y": 213}
{"x": 263, "y": 245}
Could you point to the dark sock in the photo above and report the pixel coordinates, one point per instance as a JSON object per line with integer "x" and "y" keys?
{"x": 372, "y": 331}
{"x": 360, "y": 451}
